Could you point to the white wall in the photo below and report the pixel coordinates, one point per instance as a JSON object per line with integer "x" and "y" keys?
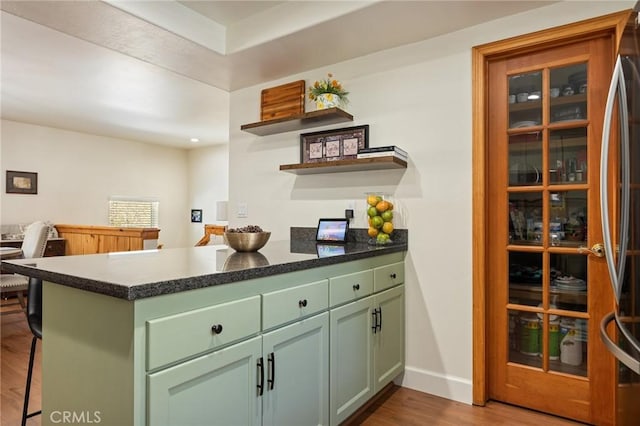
{"x": 77, "y": 173}
{"x": 208, "y": 184}
{"x": 418, "y": 97}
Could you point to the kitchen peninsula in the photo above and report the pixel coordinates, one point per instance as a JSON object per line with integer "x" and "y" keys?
{"x": 293, "y": 334}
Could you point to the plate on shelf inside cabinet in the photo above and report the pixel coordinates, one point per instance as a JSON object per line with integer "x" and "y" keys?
{"x": 527, "y": 123}
{"x": 570, "y": 283}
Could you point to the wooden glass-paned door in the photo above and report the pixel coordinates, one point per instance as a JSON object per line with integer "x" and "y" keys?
{"x": 548, "y": 286}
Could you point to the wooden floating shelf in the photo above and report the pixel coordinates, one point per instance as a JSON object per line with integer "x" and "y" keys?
{"x": 297, "y": 122}
{"x": 376, "y": 163}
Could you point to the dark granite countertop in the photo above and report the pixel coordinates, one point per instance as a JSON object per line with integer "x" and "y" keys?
{"x": 147, "y": 273}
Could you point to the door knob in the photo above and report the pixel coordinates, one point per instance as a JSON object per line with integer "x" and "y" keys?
{"x": 597, "y": 250}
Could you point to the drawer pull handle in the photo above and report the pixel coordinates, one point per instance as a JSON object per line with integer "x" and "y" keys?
{"x": 393, "y": 276}
{"x": 216, "y": 328}
{"x": 356, "y": 287}
{"x": 374, "y": 321}
{"x": 302, "y": 303}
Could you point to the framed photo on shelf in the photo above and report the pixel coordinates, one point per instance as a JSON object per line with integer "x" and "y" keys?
{"x": 22, "y": 182}
{"x": 332, "y": 145}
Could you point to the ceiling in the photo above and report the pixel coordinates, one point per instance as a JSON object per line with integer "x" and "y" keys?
{"x": 161, "y": 71}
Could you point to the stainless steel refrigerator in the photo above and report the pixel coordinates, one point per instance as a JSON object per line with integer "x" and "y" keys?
{"x": 620, "y": 195}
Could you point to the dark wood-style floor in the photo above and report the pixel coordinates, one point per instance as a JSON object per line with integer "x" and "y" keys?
{"x": 399, "y": 406}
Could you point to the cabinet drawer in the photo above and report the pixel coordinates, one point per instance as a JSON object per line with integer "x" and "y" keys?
{"x": 346, "y": 288}
{"x": 182, "y": 335}
{"x": 388, "y": 276}
{"x": 286, "y": 305}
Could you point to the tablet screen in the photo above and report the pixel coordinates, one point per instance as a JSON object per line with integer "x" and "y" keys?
{"x": 333, "y": 230}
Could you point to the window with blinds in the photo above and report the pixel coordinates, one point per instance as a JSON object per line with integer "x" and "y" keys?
{"x": 135, "y": 213}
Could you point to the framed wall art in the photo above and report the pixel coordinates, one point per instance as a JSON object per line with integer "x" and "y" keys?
{"x": 22, "y": 182}
{"x": 332, "y": 145}
{"x": 196, "y": 215}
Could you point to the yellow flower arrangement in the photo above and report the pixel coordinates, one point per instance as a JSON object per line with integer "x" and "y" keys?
{"x": 328, "y": 86}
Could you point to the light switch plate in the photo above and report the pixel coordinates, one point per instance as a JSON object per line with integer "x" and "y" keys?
{"x": 243, "y": 210}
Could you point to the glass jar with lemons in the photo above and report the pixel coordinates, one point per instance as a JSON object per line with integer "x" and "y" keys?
{"x": 380, "y": 218}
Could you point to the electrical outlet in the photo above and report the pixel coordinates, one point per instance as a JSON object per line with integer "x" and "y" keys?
{"x": 243, "y": 210}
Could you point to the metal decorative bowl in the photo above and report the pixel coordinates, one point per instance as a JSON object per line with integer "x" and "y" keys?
{"x": 246, "y": 241}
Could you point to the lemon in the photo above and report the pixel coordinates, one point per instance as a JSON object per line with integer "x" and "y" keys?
{"x": 372, "y": 200}
{"x": 387, "y": 227}
{"x": 373, "y": 232}
{"x": 382, "y": 206}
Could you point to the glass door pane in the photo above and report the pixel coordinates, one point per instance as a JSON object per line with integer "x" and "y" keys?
{"x": 568, "y": 93}
{"x": 525, "y": 100}
{"x": 524, "y": 338}
{"x": 568, "y": 218}
{"x": 525, "y": 159}
{"x": 568, "y": 156}
{"x": 568, "y": 289}
{"x": 525, "y": 218}
{"x": 525, "y": 278}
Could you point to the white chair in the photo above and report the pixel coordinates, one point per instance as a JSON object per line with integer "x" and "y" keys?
{"x": 33, "y": 245}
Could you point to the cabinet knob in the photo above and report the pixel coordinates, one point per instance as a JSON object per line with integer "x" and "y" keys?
{"x": 302, "y": 303}
{"x": 216, "y": 328}
{"x": 393, "y": 276}
{"x": 356, "y": 286}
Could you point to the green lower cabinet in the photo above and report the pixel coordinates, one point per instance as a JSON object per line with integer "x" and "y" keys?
{"x": 388, "y": 341}
{"x": 367, "y": 350}
{"x": 215, "y": 389}
{"x": 278, "y": 379}
{"x": 351, "y": 358}
{"x": 296, "y": 360}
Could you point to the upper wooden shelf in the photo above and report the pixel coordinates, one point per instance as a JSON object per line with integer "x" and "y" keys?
{"x": 376, "y": 163}
{"x": 561, "y": 100}
{"x": 298, "y": 122}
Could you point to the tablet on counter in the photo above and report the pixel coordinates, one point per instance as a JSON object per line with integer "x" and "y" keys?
{"x": 332, "y": 230}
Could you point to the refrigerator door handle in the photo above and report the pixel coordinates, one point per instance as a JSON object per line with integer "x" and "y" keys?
{"x": 604, "y": 173}
{"x": 625, "y": 179}
{"x": 632, "y": 363}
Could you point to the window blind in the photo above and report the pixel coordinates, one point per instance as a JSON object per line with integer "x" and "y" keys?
{"x": 138, "y": 213}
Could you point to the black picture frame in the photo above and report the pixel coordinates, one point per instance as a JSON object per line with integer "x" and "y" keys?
{"x": 21, "y": 182}
{"x": 196, "y": 215}
{"x": 332, "y": 145}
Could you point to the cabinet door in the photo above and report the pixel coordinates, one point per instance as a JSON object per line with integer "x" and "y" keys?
{"x": 297, "y": 374}
{"x": 216, "y": 389}
{"x": 546, "y": 289}
{"x": 351, "y": 358}
{"x": 388, "y": 340}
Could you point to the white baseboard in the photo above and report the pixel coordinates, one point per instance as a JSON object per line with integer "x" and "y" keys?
{"x": 450, "y": 387}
